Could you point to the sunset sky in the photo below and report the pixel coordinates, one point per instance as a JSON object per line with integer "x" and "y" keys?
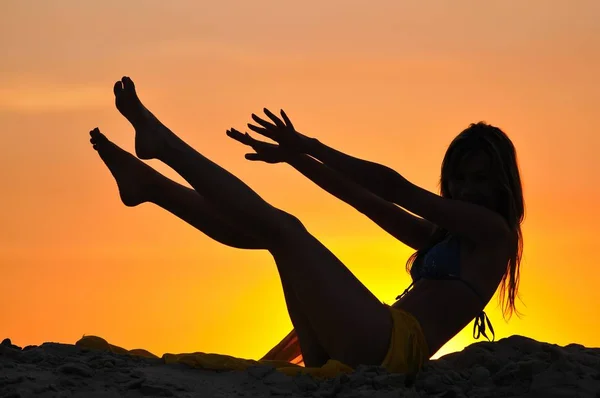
{"x": 391, "y": 81}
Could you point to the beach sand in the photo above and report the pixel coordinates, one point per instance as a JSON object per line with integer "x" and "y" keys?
{"x": 512, "y": 367}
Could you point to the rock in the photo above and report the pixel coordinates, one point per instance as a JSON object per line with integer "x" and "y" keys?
{"x": 371, "y": 375}
{"x": 259, "y": 372}
{"x": 338, "y": 382}
{"x": 355, "y": 394}
{"x": 11, "y": 380}
{"x": 393, "y": 380}
{"x": 589, "y": 387}
{"x": 11, "y": 353}
{"x": 100, "y": 362}
{"x": 551, "y": 379}
{"x": 8, "y": 343}
{"x": 510, "y": 367}
{"x": 98, "y": 394}
{"x": 119, "y": 377}
{"x": 138, "y": 374}
{"x": 507, "y": 374}
{"x": 134, "y": 384}
{"x": 280, "y": 391}
{"x": 155, "y": 391}
{"x": 452, "y": 377}
{"x": 357, "y": 379}
{"x": 447, "y": 394}
{"x": 480, "y": 375}
{"x": 277, "y": 378}
{"x": 388, "y": 394}
{"x": 329, "y": 388}
{"x": 34, "y": 356}
{"x": 529, "y": 368}
{"x": 66, "y": 382}
{"x": 305, "y": 382}
{"x": 555, "y": 392}
{"x": 434, "y": 384}
{"x": 77, "y": 369}
{"x": 11, "y": 393}
{"x": 480, "y": 392}
{"x": 43, "y": 388}
{"x": 370, "y": 371}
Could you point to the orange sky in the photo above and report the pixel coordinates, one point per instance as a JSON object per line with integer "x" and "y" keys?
{"x": 393, "y": 84}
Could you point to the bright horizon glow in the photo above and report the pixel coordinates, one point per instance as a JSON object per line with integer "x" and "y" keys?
{"x": 392, "y": 84}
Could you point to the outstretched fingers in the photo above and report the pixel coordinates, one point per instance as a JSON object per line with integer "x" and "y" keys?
{"x": 247, "y": 139}
{"x": 262, "y": 122}
{"x": 254, "y": 157}
{"x": 286, "y": 123}
{"x": 274, "y": 118}
{"x": 287, "y": 120}
{"x": 262, "y": 131}
{"x": 265, "y": 151}
{"x": 268, "y": 129}
{"x": 244, "y": 138}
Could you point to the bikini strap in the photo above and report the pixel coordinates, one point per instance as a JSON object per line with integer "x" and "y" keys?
{"x": 405, "y": 291}
{"x": 479, "y": 327}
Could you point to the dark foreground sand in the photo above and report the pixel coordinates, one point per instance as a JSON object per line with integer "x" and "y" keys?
{"x": 512, "y": 367}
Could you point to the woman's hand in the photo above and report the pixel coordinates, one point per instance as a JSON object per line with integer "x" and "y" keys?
{"x": 265, "y": 152}
{"x": 282, "y": 132}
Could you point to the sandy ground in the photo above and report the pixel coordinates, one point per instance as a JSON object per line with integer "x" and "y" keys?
{"x": 513, "y": 367}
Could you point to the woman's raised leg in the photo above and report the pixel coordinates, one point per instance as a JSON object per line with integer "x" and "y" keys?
{"x": 350, "y": 322}
{"x": 139, "y": 183}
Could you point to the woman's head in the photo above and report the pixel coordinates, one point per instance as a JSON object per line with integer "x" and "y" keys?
{"x": 480, "y": 166}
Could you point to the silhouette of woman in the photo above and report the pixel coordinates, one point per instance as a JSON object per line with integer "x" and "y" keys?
{"x": 467, "y": 240}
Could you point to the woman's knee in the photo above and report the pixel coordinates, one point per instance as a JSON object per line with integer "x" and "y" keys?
{"x": 276, "y": 228}
{"x": 287, "y": 225}
{"x": 291, "y": 221}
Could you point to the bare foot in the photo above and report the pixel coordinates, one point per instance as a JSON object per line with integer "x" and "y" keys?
{"x": 134, "y": 178}
{"x": 150, "y": 133}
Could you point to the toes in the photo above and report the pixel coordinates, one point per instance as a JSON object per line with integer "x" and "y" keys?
{"x": 127, "y": 83}
{"x": 94, "y": 142}
{"x": 97, "y": 136}
{"x": 118, "y": 88}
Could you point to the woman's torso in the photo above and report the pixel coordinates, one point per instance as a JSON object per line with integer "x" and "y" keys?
{"x": 445, "y": 306}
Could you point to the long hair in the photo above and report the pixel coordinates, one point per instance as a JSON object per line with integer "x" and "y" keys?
{"x": 496, "y": 144}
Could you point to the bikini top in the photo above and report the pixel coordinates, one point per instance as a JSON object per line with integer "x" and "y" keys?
{"x": 442, "y": 261}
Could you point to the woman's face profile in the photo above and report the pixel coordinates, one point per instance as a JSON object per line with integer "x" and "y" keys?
{"x": 472, "y": 180}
